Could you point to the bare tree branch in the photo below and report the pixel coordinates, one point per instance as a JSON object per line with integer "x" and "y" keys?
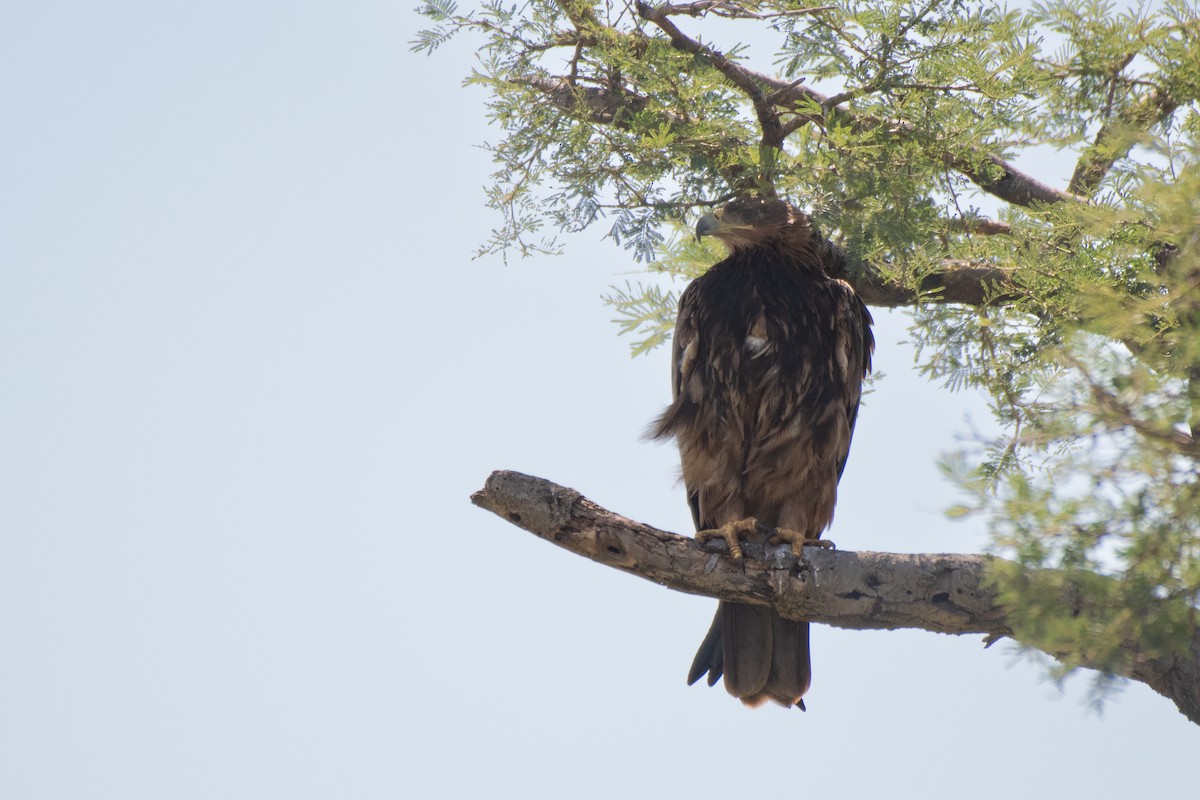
{"x": 943, "y": 593}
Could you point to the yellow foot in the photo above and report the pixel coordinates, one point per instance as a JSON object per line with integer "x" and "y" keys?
{"x": 798, "y": 541}
{"x": 729, "y": 532}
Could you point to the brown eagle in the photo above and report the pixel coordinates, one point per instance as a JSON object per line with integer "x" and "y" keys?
{"x": 768, "y": 361}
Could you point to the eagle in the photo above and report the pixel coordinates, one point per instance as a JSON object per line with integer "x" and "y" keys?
{"x": 768, "y": 361}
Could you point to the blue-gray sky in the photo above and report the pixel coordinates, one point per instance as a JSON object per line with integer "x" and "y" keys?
{"x": 251, "y": 375}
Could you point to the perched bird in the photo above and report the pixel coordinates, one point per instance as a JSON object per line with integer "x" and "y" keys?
{"x": 768, "y": 361}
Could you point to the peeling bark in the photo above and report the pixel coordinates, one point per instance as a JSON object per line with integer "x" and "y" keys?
{"x": 943, "y": 593}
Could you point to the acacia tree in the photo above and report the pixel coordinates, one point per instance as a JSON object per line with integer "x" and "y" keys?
{"x": 900, "y": 126}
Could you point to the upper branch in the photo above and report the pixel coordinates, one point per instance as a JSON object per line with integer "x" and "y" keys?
{"x": 958, "y": 281}
{"x": 772, "y": 97}
{"x": 1112, "y": 141}
{"x": 1005, "y": 181}
{"x": 593, "y": 103}
{"x": 616, "y": 107}
{"x": 743, "y": 79}
{"x": 767, "y": 94}
{"x": 730, "y": 10}
{"x": 941, "y": 593}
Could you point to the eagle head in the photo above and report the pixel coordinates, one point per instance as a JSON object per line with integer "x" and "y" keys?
{"x": 755, "y": 221}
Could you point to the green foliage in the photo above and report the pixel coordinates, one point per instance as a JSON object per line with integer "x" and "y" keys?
{"x": 601, "y": 113}
{"x": 897, "y": 125}
{"x": 645, "y": 309}
{"x": 1097, "y": 473}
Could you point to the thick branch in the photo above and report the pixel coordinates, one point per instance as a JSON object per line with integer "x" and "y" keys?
{"x": 1007, "y": 182}
{"x": 940, "y": 593}
{"x": 958, "y": 282}
{"x": 1113, "y": 141}
{"x": 980, "y": 226}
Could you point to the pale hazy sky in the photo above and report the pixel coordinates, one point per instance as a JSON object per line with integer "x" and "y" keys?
{"x": 250, "y": 376}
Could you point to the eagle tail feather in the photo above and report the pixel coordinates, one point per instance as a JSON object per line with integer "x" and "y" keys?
{"x": 790, "y": 667}
{"x": 747, "y": 647}
{"x": 709, "y": 658}
{"x": 761, "y": 655}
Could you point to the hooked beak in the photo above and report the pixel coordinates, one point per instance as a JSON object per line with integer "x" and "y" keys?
{"x": 707, "y": 225}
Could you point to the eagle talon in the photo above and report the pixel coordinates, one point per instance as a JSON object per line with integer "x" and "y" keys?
{"x": 798, "y": 541}
{"x": 730, "y": 532}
